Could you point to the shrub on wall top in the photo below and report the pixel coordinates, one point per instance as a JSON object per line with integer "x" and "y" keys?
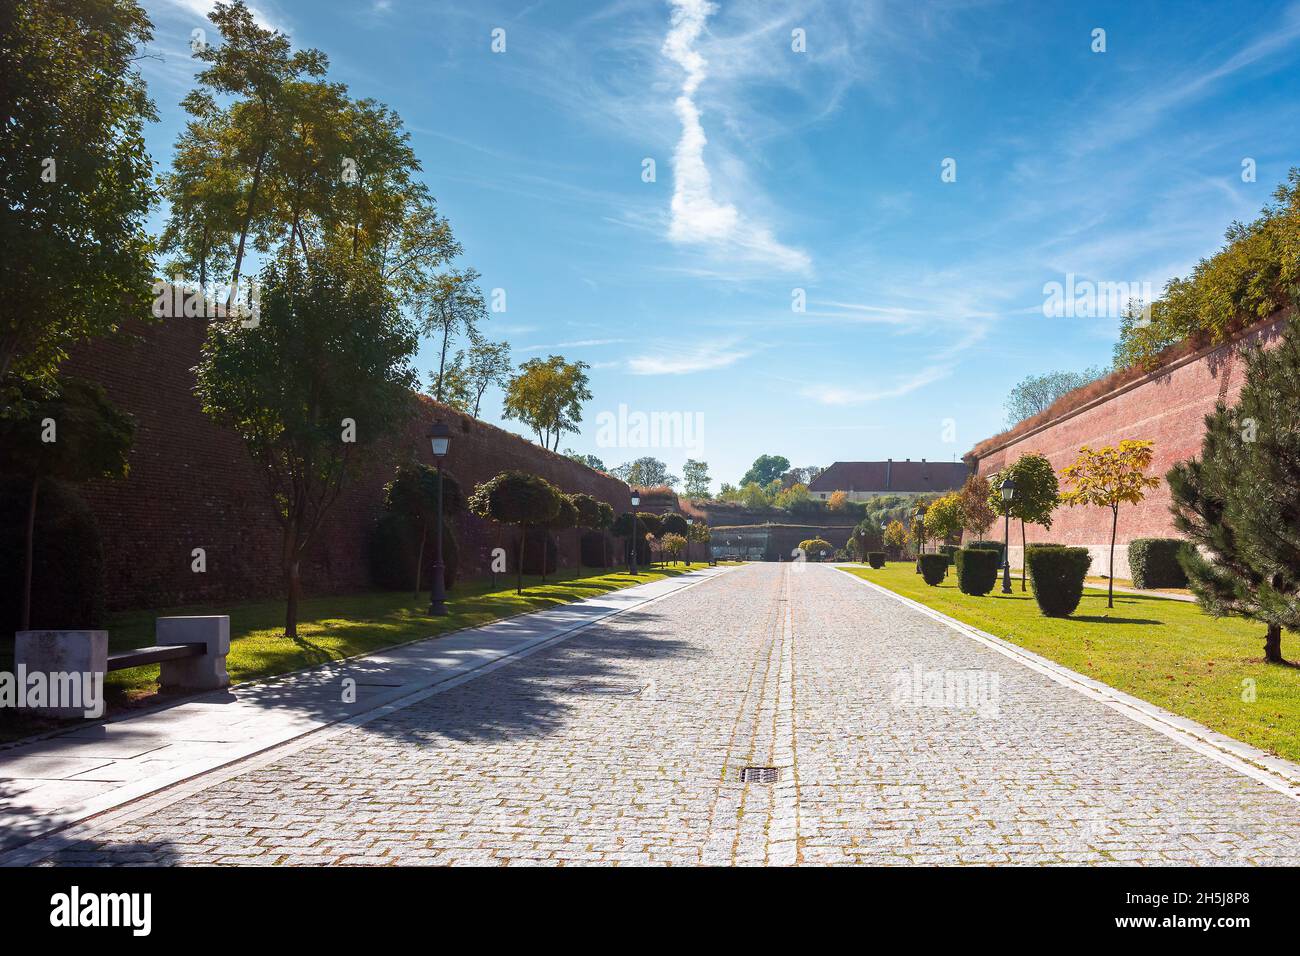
{"x": 1153, "y": 563}
{"x": 1057, "y": 574}
{"x": 977, "y": 570}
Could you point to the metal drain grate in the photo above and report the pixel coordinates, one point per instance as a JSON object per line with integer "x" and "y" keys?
{"x": 615, "y": 689}
{"x": 760, "y": 774}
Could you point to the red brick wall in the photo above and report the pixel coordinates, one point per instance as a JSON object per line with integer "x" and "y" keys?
{"x": 193, "y": 485}
{"x": 1169, "y": 407}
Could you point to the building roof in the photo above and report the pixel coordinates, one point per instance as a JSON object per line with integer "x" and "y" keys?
{"x": 899, "y": 477}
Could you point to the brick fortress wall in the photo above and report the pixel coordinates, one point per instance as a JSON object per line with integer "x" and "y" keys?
{"x": 1167, "y": 406}
{"x": 193, "y": 485}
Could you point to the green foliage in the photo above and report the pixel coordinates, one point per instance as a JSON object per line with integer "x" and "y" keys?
{"x": 895, "y": 537}
{"x": 76, "y": 255}
{"x": 1256, "y": 273}
{"x": 977, "y": 570}
{"x": 650, "y": 524}
{"x": 322, "y": 377}
{"x": 934, "y": 568}
{"x": 566, "y": 514}
{"x": 68, "y": 561}
{"x": 813, "y": 548}
{"x": 696, "y": 475}
{"x": 1036, "y": 393}
{"x": 977, "y": 513}
{"x": 943, "y": 518}
{"x": 448, "y": 305}
{"x": 547, "y": 396}
{"x": 876, "y": 559}
{"x": 413, "y": 493}
{"x": 1153, "y": 563}
{"x": 1037, "y": 492}
{"x": 647, "y": 472}
{"x": 591, "y": 461}
{"x": 1057, "y": 574}
{"x": 395, "y": 554}
{"x": 766, "y": 469}
{"x": 674, "y": 523}
{"x": 589, "y": 512}
{"x": 89, "y": 437}
{"x": 674, "y": 544}
{"x": 1239, "y": 503}
{"x": 516, "y": 497}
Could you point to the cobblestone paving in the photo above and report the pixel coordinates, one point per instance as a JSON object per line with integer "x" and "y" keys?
{"x": 624, "y": 744}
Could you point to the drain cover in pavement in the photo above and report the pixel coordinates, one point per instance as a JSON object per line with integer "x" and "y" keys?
{"x": 614, "y": 689}
{"x": 760, "y": 774}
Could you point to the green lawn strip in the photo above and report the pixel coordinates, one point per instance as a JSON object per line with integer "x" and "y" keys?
{"x": 1168, "y": 653}
{"x": 331, "y": 628}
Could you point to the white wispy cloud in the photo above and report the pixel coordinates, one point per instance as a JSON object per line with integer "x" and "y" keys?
{"x": 697, "y": 216}
{"x": 700, "y": 358}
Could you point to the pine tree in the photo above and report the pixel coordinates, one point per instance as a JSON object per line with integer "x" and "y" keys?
{"x": 1240, "y": 502}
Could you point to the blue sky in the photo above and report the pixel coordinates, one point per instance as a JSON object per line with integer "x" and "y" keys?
{"x": 819, "y": 171}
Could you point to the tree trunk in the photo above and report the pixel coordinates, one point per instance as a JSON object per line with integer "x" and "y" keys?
{"x": 419, "y": 556}
{"x": 519, "y": 571}
{"x": 30, "y": 553}
{"x": 291, "y": 605}
{"x": 1110, "y": 582}
{"x": 1024, "y": 555}
{"x": 1273, "y": 645}
{"x": 248, "y": 221}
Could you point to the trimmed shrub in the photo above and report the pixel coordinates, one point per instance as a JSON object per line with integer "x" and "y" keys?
{"x": 1057, "y": 574}
{"x": 67, "y": 558}
{"x": 977, "y": 570}
{"x": 876, "y": 559}
{"x": 934, "y": 567}
{"x": 987, "y": 546}
{"x": 1153, "y": 562}
{"x": 394, "y": 541}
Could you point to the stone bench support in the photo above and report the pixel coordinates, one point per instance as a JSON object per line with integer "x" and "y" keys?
{"x": 205, "y": 671}
{"x": 82, "y": 653}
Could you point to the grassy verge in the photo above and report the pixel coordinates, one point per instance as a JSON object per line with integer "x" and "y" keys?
{"x": 1168, "y": 653}
{"x": 1126, "y": 583}
{"x": 329, "y": 628}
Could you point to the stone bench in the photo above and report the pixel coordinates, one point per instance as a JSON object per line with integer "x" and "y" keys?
{"x": 190, "y": 650}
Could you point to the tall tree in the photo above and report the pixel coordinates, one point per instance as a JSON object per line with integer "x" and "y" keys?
{"x": 323, "y": 377}
{"x": 977, "y": 513}
{"x": 547, "y": 396}
{"x": 696, "y": 475}
{"x": 76, "y": 435}
{"x": 75, "y": 180}
{"x": 1239, "y": 503}
{"x": 1037, "y": 495}
{"x": 645, "y": 472}
{"x": 1107, "y": 478}
{"x": 486, "y": 364}
{"x": 766, "y": 469}
{"x": 1036, "y": 393}
{"x": 259, "y": 69}
{"x": 452, "y": 305}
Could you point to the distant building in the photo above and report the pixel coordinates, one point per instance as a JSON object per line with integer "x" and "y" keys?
{"x": 862, "y": 480}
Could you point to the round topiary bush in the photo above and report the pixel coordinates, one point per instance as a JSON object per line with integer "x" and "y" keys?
{"x": 1057, "y": 574}
{"x": 67, "y": 558}
{"x": 394, "y": 541}
{"x": 1153, "y": 563}
{"x": 934, "y": 567}
{"x": 977, "y": 570}
{"x": 876, "y": 559}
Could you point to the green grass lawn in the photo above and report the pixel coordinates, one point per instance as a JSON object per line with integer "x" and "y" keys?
{"x": 330, "y": 628}
{"x": 1166, "y": 652}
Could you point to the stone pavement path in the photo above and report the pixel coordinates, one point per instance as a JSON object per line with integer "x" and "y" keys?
{"x": 625, "y": 743}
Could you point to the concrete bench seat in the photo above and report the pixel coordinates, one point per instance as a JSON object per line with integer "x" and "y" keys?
{"x": 191, "y": 652}
{"x": 140, "y": 656}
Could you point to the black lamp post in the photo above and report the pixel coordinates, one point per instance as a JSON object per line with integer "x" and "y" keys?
{"x": 636, "y": 500}
{"x": 1008, "y": 492}
{"x": 689, "y": 523}
{"x": 920, "y": 535}
{"x": 440, "y": 439}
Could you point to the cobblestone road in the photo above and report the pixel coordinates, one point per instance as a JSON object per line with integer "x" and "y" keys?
{"x": 898, "y": 741}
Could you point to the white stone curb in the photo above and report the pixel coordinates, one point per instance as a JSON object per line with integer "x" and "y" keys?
{"x": 1274, "y": 772}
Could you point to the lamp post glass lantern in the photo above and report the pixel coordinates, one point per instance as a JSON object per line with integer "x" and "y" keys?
{"x": 440, "y": 442}
{"x": 1008, "y": 493}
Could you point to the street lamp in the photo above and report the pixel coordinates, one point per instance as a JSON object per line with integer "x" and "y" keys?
{"x": 440, "y": 440}
{"x": 636, "y": 500}
{"x": 920, "y": 535}
{"x": 689, "y": 523}
{"x": 1008, "y": 492}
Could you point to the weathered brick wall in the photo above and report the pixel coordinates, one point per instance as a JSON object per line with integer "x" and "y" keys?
{"x": 193, "y": 485}
{"x": 1168, "y": 406}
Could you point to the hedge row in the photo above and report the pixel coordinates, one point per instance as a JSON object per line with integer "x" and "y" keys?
{"x": 1153, "y": 563}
